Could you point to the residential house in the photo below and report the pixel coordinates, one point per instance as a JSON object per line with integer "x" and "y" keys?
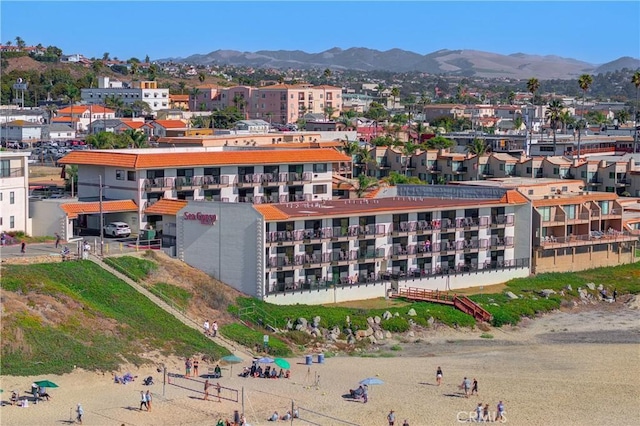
{"x": 14, "y": 192}
{"x": 25, "y": 131}
{"x": 82, "y": 117}
{"x": 61, "y": 132}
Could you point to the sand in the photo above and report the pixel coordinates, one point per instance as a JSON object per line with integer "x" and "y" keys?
{"x": 564, "y": 368}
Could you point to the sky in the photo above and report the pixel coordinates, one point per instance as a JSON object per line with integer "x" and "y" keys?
{"x": 594, "y": 32}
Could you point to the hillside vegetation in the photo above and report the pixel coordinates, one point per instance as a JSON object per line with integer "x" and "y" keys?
{"x": 60, "y": 315}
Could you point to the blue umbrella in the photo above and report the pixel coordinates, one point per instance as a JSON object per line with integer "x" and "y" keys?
{"x": 371, "y": 381}
{"x": 231, "y": 359}
{"x": 265, "y": 360}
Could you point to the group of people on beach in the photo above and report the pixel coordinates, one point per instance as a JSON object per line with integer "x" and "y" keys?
{"x": 483, "y": 414}
{"x": 210, "y": 329}
{"x": 189, "y": 365}
{"x": 286, "y": 416}
{"x": 267, "y": 373}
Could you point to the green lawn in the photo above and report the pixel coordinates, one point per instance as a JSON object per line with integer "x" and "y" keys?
{"x": 131, "y": 324}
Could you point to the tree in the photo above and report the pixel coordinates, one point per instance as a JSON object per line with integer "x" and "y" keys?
{"x": 553, "y": 114}
{"x": 365, "y": 158}
{"x": 137, "y": 138}
{"x": 51, "y": 111}
{"x": 350, "y": 148}
{"x": 96, "y": 66}
{"x": 134, "y": 69}
{"x": 532, "y": 86}
{"x": 105, "y": 56}
{"x": 511, "y": 97}
{"x": 364, "y": 183}
{"x": 622, "y": 116}
{"x": 20, "y": 43}
{"x": 146, "y": 59}
{"x": 395, "y": 94}
{"x": 635, "y": 79}
{"x": 202, "y": 77}
{"x": 327, "y": 73}
{"x": 194, "y": 95}
{"x": 376, "y": 112}
{"x": 478, "y": 147}
{"x": 71, "y": 177}
{"x": 396, "y": 178}
{"x": 439, "y": 142}
{"x": 408, "y": 149}
{"x": 517, "y": 122}
{"x": 328, "y": 112}
{"x": 114, "y": 102}
{"x": 584, "y": 81}
{"x": 567, "y": 119}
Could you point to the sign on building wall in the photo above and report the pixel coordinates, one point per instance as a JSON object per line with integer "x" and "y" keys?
{"x": 203, "y": 218}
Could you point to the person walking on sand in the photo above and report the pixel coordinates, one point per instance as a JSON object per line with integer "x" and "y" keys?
{"x": 439, "y": 376}
{"x": 195, "y": 367}
{"x": 79, "y": 413}
{"x": 479, "y": 412}
{"x": 466, "y": 385}
{"x": 187, "y": 367}
{"x": 474, "y": 388}
{"x": 500, "y": 412}
{"x": 148, "y": 398}
{"x": 215, "y": 328}
{"x": 615, "y": 294}
{"x": 206, "y": 327}
{"x": 391, "y": 417}
{"x": 23, "y": 247}
{"x": 206, "y": 389}
{"x": 218, "y": 389}
{"x": 143, "y": 401}
{"x": 57, "y": 240}
{"x": 405, "y": 423}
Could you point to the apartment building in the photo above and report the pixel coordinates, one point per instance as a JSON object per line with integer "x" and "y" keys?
{"x": 83, "y": 117}
{"x": 146, "y": 176}
{"x": 338, "y": 250}
{"x": 146, "y": 91}
{"x": 14, "y": 192}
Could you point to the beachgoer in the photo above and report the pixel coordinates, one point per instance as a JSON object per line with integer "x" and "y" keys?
{"x": 274, "y": 417}
{"x": 206, "y": 327}
{"x": 296, "y": 413}
{"x": 143, "y": 401}
{"x": 23, "y": 247}
{"x": 485, "y": 413}
{"x": 148, "y": 397}
{"x": 57, "y": 240}
{"x": 405, "y": 423}
{"x": 287, "y": 416}
{"x": 365, "y": 394}
{"x": 217, "y": 371}
{"x": 479, "y": 412}
{"x": 3, "y": 239}
{"x": 236, "y": 417}
{"x": 220, "y": 423}
{"x": 215, "y": 328}
{"x": 500, "y": 411}
{"x": 391, "y": 417}
{"x": 439, "y": 376}
{"x": 79, "y": 412}
{"x": 195, "y": 367}
{"x": 206, "y": 390}
{"x": 466, "y": 385}
{"x": 187, "y": 367}
{"x": 615, "y": 294}
{"x": 218, "y": 389}
{"x": 474, "y": 388}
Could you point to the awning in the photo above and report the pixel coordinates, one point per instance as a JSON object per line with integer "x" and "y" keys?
{"x": 93, "y": 207}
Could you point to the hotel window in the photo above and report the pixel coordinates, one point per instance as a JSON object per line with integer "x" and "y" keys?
{"x": 545, "y": 213}
{"x": 119, "y": 174}
{"x": 12, "y": 222}
{"x": 319, "y": 189}
{"x": 571, "y": 211}
{"x": 131, "y": 175}
{"x": 320, "y": 168}
{"x": 12, "y": 197}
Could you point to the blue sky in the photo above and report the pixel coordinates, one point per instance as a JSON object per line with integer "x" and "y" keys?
{"x": 596, "y": 32}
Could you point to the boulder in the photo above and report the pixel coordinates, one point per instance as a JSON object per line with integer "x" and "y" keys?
{"x": 378, "y": 335}
{"x": 376, "y": 319}
{"x": 431, "y": 321}
{"x": 592, "y": 286}
{"x": 369, "y": 332}
{"x": 370, "y": 321}
{"x": 412, "y": 312}
{"x": 547, "y": 292}
{"x": 397, "y": 314}
{"x": 372, "y": 340}
{"x": 510, "y": 295}
{"x": 336, "y": 330}
{"x": 568, "y": 287}
{"x": 302, "y": 322}
{"x": 361, "y": 334}
{"x": 316, "y": 321}
{"x": 387, "y": 315}
{"x": 388, "y": 335}
{"x": 351, "y": 339}
{"x": 600, "y": 287}
{"x": 300, "y": 327}
{"x": 289, "y": 325}
{"x": 411, "y": 334}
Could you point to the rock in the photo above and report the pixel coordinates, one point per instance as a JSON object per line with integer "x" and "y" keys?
{"x": 369, "y": 332}
{"x": 431, "y": 321}
{"x": 411, "y": 334}
{"x": 412, "y": 323}
{"x": 348, "y": 319}
{"x": 510, "y": 295}
{"x": 302, "y": 322}
{"x": 388, "y": 335}
{"x": 376, "y": 319}
{"x": 387, "y": 315}
{"x": 547, "y": 292}
{"x": 316, "y": 321}
{"x": 361, "y": 334}
{"x": 592, "y": 286}
{"x": 412, "y": 312}
{"x": 300, "y": 327}
{"x": 333, "y": 337}
{"x": 351, "y": 339}
{"x": 289, "y": 325}
{"x": 336, "y": 331}
{"x": 569, "y": 288}
{"x": 378, "y": 335}
{"x": 370, "y": 321}
{"x": 372, "y": 340}
{"x": 600, "y": 287}
{"x": 397, "y": 314}
{"x": 534, "y": 298}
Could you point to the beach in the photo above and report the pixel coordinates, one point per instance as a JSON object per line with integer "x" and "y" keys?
{"x": 573, "y": 367}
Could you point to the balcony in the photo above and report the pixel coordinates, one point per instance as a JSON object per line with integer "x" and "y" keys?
{"x": 271, "y": 179}
{"x": 294, "y": 177}
{"x": 11, "y": 173}
{"x": 284, "y": 262}
{"x": 579, "y": 218}
{"x": 250, "y": 179}
{"x": 621, "y": 182}
{"x": 613, "y": 213}
{"x": 343, "y": 257}
{"x": 457, "y": 170}
{"x": 188, "y": 182}
{"x": 434, "y": 169}
{"x": 270, "y": 199}
{"x": 317, "y": 234}
{"x": 486, "y": 172}
{"x": 401, "y": 251}
{"x": 502, "y": 220}
{"x": 211, "y": 181}
{"x": 595, "y": 237}
{"x": 284, "y": 236}
{"x": 501, "y": 242}
{"x": 368, "y": 230}
{"x": 447, "y": 246}
{"x": 403, "y": 228}
{"x": 370, "y": 254}
{"x": 292, "y": 198}
{"x": 158, "y": 184}
{"x": 316, "y": 258}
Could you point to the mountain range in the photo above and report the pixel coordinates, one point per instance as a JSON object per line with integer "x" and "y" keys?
{"x": 470, "y": 63}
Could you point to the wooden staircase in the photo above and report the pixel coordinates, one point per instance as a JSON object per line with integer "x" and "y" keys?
{"x": 462, "y": 303}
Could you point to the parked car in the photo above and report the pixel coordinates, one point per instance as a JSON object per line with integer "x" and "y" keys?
{"x": 117, "y": 229}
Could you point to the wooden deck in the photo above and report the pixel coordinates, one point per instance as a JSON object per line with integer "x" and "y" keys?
{"x": 460, "y": 302}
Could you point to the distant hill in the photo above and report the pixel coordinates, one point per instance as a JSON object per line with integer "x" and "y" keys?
{"x": 471, "y": 63}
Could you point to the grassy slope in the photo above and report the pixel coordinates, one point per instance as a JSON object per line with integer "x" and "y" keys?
{"x": 31, "y": 344}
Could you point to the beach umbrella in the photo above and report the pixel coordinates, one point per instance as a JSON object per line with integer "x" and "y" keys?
{"x": 282, "y": 363}
{"x": 265, "y": 360}
{"x": 46, "y": 384}
{"x": 371, "y": 381}
{"x": 231, "y": 359}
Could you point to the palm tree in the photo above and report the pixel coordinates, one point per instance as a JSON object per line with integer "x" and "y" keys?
{"x": 364, "y": 183}
{"x": 20, "y": 43}
{"x": 584, "y": 81}
{"x": 134, "y": 70}
{"x": 328, "y": 112}
{"x": 202, "y": 77}
{"x": 51, "y": 111}
{"x": 553, "y": 114}
{"x": 182, "y": 85}
{"x": 365, "y": 158}
{"x": 114, "y": 102}
{"x": 138, "y": 138}
{"x": 350, "y": 148}
{"x": 532, "y": 86}
{"x": 140, "y": 107}
{"x": 566, "y": 118}
{"x": 635, "y": 79}
{"x": 194, "y": 95}
{"x": 395, "y": 94}
{"x": 408, "y": 150}
{"x": 478, "y": 147}
{"x": 622, "y": 116}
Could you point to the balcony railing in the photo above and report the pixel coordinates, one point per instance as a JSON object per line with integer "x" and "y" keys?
{"x": 501, "y": 219}
{"x": 595, "y": 237}
{"x": 501, "y": 241}
{"x": 284, "y": 261}
{"x": 299, "y": 177}
{"x": 212, "y": 180}
{"x": 249, "y": 179}
{"x": 158, "y": 184}
{"x": 284, "y": 236}
{"x": 317, "y": 234}
{"x": 370, "y": 253}
{"x": 343, "y": 255}
{"x": 313, "y": 258}
{"x": 12, "y": 172}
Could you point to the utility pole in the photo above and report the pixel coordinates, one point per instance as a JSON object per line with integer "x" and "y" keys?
{"x": 101, "y": 221}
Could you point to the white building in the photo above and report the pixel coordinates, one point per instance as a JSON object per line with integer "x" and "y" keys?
{"x": 61, "y": 132}
{"x": 24, "y": 131}
{"x": 332, "y": 251}
{"x": 14, "y": 192}
{"x": 147, "y": 91}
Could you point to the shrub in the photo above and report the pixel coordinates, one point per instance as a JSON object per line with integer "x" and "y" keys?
{"x": 135, "y": 268}
{"x": 395, "y": 325}
{"x": 250, "y": 338}
{"x": 486, "y": 336}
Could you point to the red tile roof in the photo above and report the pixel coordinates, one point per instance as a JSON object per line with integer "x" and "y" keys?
{"x": 93, "y": 207}
{"x": 151, "y": 159}
{"x": 171, "y": 124}
{"x": 166, "y": 206}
